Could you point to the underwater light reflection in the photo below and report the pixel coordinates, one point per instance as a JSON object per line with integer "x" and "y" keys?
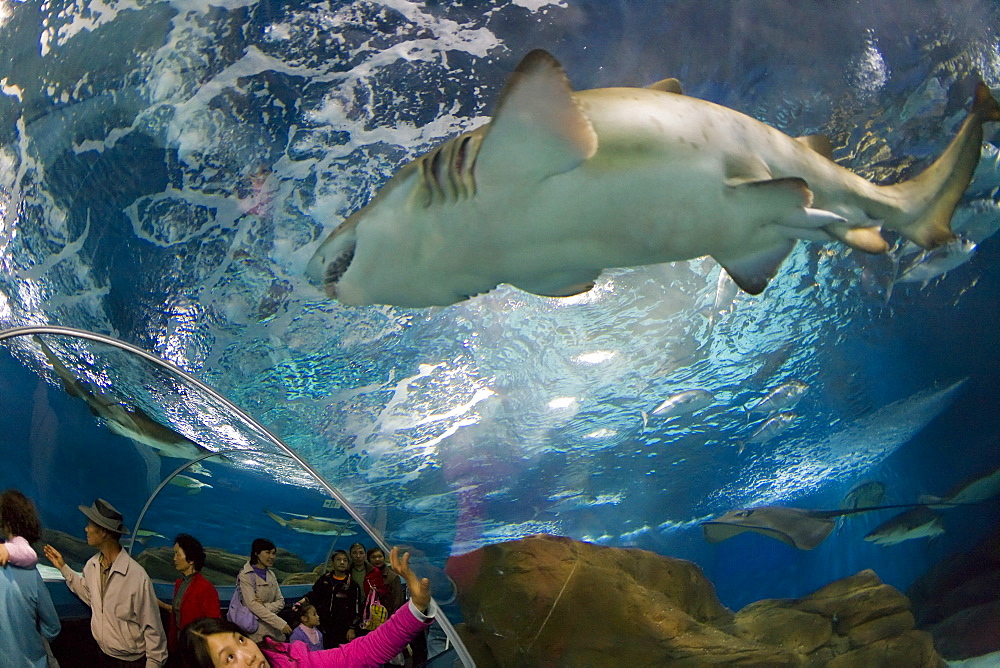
{"x": 174, "y": 342}
{"x": 595, "y": 357}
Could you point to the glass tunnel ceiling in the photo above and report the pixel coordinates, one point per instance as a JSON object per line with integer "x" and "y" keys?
{"x": 169, "y": 169}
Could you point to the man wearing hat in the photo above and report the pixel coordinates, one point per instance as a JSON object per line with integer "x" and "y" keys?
{"x": 125, "y": 619}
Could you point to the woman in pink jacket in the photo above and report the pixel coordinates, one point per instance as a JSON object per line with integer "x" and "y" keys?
{"x": 214, "y": 643}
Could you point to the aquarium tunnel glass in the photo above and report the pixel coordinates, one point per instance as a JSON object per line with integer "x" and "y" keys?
{"x": 168, "y": 169}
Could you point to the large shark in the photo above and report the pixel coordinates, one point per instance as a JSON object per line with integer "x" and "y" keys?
{"x": 310, "y": 524}
{"x": 919, "y": 522}
{"x": 561, "y": 185}
{"x": 131, "y": 423}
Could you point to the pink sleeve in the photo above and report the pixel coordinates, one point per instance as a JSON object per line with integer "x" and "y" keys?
{"x": 369, "y": 651}
{"x": 21, "y": 554}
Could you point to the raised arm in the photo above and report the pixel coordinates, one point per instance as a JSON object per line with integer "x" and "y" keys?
{"x": 420, "y": 588}
{"x": 76, "y": 582}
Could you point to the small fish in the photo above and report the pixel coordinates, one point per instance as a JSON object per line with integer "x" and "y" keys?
{"x": 314, "y": 526}
{"x": 932, "y": 263}
{"x": 192, "y": 485}
{"x": 772, "y": 427}
{"x": 781, "y": 398}
{"x": 683, "y": 403}
{"x": 726, "y": 291}
{"x": 919, "y": 522}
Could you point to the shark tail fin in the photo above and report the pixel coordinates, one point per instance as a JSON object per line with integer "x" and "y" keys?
{"x": 922, "y": 207}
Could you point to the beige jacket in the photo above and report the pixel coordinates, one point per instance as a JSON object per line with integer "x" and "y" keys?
{"x": 264, "y": 599}
{"x": 125, "y": 622}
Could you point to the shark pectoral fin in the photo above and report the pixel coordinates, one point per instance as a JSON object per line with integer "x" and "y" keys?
{"x": 867, "y": 239}
{"x": 537, "y": 128}
{"x": 819, "y": 143}
{"x": 667, "y": 86}
{"x": 754, "y": 271}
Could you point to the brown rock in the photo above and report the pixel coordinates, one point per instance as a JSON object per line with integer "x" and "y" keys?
{"x": 800, "y": 632}
{"x": 913, "y": 649}
{"x": 548, "y": 601}
{"x": 846, "y": 586}
{"x": 545, "y": 600}
{"x": 855, "y": 600}
{"x": 881, "y": 628}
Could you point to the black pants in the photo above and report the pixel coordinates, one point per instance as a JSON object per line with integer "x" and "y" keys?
{"x": 111, "y": 662}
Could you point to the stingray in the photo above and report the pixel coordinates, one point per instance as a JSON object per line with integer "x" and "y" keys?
{"x": 800, "y": 528}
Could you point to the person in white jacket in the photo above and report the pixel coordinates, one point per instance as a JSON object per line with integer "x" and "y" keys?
{"x": 125, "y": 619}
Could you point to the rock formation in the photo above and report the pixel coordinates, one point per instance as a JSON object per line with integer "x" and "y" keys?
{"x": 546, "y": 600}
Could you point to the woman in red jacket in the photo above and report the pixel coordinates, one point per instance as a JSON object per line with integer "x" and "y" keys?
{"x": 194, "y": 596}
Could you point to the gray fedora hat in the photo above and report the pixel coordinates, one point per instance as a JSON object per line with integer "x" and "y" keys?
{"x": 104, "y": 515}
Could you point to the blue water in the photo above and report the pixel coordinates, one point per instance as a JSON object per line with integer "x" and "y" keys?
{"x": 166, "y": 171}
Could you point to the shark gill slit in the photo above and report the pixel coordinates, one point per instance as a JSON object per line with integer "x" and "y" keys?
{"x": 448, "y": 177}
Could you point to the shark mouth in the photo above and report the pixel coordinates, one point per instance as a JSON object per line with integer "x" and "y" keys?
{"x": 331, "y": 262}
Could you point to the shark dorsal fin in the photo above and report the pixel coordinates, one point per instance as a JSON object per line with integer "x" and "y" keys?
{"x": 670, "y": 85}
{"x": 538, "y": 129}
{"x": 819, "y": 143}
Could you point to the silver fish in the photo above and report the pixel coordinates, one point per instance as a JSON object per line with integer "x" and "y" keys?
{"x": 772, "y": 427}
{"x": 782, "y": 397}
{"x": 932, "y": 263}
{"x": 683, "y": 403}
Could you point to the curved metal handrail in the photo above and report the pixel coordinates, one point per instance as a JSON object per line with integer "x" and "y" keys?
{"x": 434, "y": 608}
{"x": 166, "y": 481}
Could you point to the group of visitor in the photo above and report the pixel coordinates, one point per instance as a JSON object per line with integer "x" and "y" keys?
{"x": 355, "y": 614}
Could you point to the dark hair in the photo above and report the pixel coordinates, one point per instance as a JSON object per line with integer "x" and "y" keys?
{"x": 259, "y": 545}
{"x": 193, "y": 642}
{"x": 373, "y": 550}
{"x": 193, "y": 550}
{"x": 304, "y": 610}
{"x": 18, "y": 516}
{"x": 336, "y": 552}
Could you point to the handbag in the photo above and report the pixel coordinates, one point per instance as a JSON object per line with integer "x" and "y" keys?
{"x": 375, "y": 612}
{"x": 239, "y": 613}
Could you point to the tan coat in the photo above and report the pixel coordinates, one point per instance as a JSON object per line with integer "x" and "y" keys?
{"x": 264, "y": 599}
